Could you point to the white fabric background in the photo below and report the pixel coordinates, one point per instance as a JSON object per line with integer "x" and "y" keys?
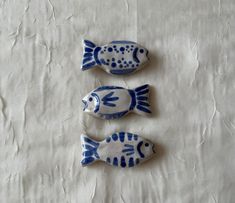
{"x": 192, "y": 47}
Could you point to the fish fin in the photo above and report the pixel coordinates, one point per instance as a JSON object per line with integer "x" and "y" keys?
{"x": 142, "y": 105}
{"x": 89, "y": 150}
{"x": 88, "y": 55}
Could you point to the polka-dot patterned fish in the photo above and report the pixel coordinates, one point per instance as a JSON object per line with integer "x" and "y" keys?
{"x": 117, "y": 57}
{"x": 112, "y": 102}
{"x": 120, "y": 149}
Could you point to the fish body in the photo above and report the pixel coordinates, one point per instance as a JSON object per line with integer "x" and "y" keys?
{"x": 117, "y": 57}
{"x": 121, "y": 149}
{"x": 112, "y": 102}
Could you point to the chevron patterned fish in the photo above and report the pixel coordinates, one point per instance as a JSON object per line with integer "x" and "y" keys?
{"x": 112, "y": 102}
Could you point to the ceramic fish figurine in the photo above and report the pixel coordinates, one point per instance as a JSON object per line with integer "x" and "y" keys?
{"x": 117, "y": 57}
{"x": 120, "y": 149}
{"x": 111, "y": 102}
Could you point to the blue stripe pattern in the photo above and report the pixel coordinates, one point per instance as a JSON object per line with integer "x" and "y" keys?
{"x": 141, "y": 87}
{"x": 133, "y": 99}
{"x": 122, "y": 71}
{"x": 115, "y": 137}
{"x": 96, "y": 144}
{"x": 115, "y": 161}
{"x": 122, "y": 136}
{"x": 89, "y": 43}
{"x": 142, "y": 98}
{"x": 129, "y": 135}
{"x": 89, "y": 65}
{"x": 143, "y": 92}
{"x": 131, "y": 162}
{"x": 107, "y": 88}
{"x": 141, "y": 108}
{"x": 123, "y": 162}
{"x": 96, "y": 51}
{"x": 143, "y": 103}
{"x": 122, "y": 42}
{"x": 108, "y": 99}
{"x": 135, "y": 55}
{"x": 88, "y": 49}
{"x": 114, "y": 115}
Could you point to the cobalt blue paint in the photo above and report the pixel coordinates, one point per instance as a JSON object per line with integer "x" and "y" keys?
{"x": 113, "y": 116}
{"x": 121, "y": 136}
{"x": 131, "y": 162}
{"x": 107, "y": 88}
{"x": 139, "y": 150}
{"x": 122, "y": 49}
{"x": 109, "y": 100}
{"x": 121, "y": 72}
{"x": 123, "y": 162}
{"x": 129, "y": 136}
{"x": 115, "y": 137}
{"x": 133, "y": 99}
{"x": 122, "y": 42}
{"x": 115, "y": 161}
{"x": 113, "y": 65}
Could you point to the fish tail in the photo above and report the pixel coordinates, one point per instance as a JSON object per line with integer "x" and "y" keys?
{"x": 89, "y": 150}
{"x": 89, "y": 55}
{"x": 142, "y": 105}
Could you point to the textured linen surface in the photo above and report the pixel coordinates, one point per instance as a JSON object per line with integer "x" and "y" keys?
{"x": 191, "y": 73}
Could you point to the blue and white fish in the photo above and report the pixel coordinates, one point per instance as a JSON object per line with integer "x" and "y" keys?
{"x": 117, "y": 57}
{"x": 111, "y": 102}
{"x": 120, "y": 149}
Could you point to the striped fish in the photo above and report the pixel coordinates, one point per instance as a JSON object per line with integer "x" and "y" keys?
{"x": 120, "y": 149}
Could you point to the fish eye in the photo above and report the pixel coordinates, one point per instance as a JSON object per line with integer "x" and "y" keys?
{"x": 146, "y": 144}
{"x": 90, "y": 99}
{"x": 141, "y": 51}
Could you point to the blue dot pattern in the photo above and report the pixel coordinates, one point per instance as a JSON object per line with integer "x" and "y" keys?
{"x": 113, "y": 56}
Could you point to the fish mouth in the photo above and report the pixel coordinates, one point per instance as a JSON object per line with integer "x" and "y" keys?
{"x": 153, "y": 149}
{"x": 84, "y": 105}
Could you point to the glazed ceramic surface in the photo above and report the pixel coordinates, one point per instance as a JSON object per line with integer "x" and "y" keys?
{"x": 120, "y": 149}
{"x": 112, "y": 102}
{"x": 117, "y": 57}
